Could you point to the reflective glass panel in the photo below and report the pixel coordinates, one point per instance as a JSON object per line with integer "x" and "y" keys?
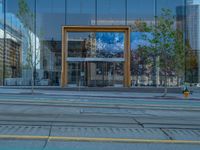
{"x": 80, "y": 12}
{"x": 96, "y": 44}
{"x": 141, "y": 14}
{"x": 140, "y": 10}
{"x": 95, "y": 59}
{"x": 192, "y": 42}
{"x": 111, "y": 12}
{"x": 50, "y": 16}
{"x": 20, "y": 42}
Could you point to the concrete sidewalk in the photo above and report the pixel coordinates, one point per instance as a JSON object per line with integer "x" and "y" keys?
{"x": 107, "y": 94}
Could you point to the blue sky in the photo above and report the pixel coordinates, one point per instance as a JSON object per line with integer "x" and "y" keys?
{"x": 115, "y": 41}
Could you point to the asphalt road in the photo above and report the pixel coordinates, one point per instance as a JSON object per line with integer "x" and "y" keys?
{"x": 87, "y": 123}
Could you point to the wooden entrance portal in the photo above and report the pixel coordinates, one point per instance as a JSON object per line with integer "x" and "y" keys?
{"x": 124, "y": 29}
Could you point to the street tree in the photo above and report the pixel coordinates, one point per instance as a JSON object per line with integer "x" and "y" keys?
{"x": 26, "y": 16}
{"x": 163, "y": 43}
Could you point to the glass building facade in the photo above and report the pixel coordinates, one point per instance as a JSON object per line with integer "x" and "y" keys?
{"x": 31, "y": 42}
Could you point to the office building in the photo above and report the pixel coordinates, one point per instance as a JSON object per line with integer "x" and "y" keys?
{"x": 102, "y": 50}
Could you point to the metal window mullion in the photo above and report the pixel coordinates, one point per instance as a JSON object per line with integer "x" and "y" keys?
{"x": 4, "y": 42}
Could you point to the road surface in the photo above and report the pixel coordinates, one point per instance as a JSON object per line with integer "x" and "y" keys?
{"x": 78, "y": 122}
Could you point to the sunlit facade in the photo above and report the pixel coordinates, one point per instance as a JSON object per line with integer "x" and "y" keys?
{"x": 31, "y": 42}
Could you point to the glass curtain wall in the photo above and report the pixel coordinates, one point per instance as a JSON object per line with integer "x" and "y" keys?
{"x": 80, "y": 12}
{"x": 192, "y": 41}
{"x": 147, "y": 67}
{"x": 111, "y": 12}
{"x": 50, "y": 16}
{"x": 33, "y": 37}
{"x": 138, "y": 14}
{"x": 19, "y": 42}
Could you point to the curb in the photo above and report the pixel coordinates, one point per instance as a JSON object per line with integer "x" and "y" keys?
{"x": 97, "y": 96}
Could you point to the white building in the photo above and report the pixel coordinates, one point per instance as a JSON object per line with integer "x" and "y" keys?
{"x": 193, "y": 27}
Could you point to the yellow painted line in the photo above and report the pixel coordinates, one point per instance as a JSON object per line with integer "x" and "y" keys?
{"x": 93, "y": 139}
{"x": 23, "y": 137}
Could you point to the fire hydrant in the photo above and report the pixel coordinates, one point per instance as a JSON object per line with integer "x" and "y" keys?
{"x": 186, "y": 92}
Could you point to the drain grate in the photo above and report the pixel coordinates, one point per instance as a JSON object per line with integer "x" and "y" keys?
{"x": 183, "y": 134}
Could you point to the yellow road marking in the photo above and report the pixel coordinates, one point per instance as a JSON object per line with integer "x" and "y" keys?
{"x": 93, "y": 139}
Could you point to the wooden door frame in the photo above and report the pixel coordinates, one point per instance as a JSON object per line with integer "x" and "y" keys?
{"x": 124, "y": 29}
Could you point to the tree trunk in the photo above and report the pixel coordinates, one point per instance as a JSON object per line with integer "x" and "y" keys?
{"x": 165, "y": 84}
{"x": 154, "y": 72}
{"x": 177, "y": 81}
{"x": 137, "y": 78}
{"x": 32, "y": 80}
{"x": 157, "y": 70}
{"x": 165, "y": 70}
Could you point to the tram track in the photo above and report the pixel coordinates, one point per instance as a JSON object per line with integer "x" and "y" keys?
{"x": 98, "y": 120}
{"x": 88, "y": 114}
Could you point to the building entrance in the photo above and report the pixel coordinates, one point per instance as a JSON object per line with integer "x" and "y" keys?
{"x": 95, "y": 56}
{"x": 95, "y": 74}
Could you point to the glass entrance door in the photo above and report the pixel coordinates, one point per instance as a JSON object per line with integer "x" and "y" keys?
{"x": 101, "y": 74}
{"x": 95, "y": 74}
